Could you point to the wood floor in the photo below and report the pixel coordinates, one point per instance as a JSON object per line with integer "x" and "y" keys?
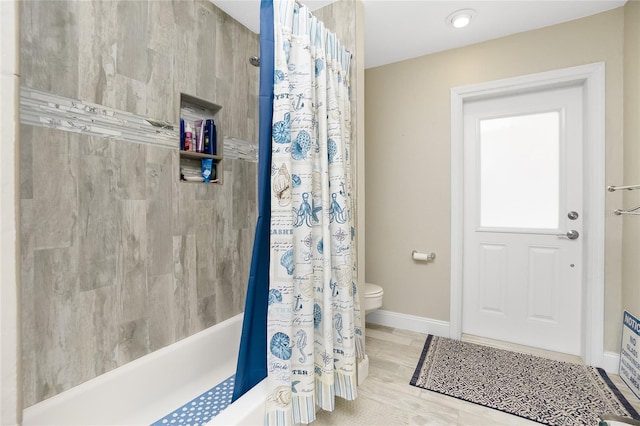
{"x": 387, "y": 398}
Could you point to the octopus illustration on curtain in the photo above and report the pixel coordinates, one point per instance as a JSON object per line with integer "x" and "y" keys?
{"x": 313, "y": 320}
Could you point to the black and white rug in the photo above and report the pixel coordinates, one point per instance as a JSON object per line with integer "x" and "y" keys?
{"x": 539, "y": 389}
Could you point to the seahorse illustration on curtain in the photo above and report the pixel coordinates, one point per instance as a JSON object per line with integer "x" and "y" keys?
{"x": 337, "y": 323}
{"x": 301, "y": 343}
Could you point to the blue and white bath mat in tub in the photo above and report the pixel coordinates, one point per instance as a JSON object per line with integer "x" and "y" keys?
{"x": 203, "y": 408}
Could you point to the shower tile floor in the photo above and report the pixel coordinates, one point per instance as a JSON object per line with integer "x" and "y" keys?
{"x": 386, "y": 398}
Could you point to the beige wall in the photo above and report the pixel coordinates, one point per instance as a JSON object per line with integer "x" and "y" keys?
{"x": 631, "y": 230}
{"x": 408, "y": 155}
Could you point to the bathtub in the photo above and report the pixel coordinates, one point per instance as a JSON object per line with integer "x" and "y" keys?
{"x": 145, "y": 390}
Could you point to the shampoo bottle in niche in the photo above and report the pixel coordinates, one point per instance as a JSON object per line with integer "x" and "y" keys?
{"x": 199, "y": 135}
{"x": 182, "y": 134}
{"x": 210, "y": 139}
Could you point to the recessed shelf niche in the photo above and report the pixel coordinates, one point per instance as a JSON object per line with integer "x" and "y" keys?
{"x": 193, "y": 110}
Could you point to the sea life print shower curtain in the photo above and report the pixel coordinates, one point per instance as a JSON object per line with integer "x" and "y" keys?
{"x": 314, "y": 334}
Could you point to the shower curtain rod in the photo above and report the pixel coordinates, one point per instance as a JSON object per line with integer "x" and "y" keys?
{"x": 311, "y": 14}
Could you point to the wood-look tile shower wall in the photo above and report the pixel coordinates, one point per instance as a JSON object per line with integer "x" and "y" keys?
{"x": 119, "y": 258}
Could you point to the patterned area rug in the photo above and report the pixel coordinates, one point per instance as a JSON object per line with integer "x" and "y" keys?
{"x": 546, "y": 391}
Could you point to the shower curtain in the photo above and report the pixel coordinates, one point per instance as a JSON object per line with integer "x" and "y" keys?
{"x": 252, "y": 357}
{"x": 302, "y": 325}
{"x": 313, "y": 318}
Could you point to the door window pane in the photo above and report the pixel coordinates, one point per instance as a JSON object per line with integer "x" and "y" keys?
{"x": 520, "y": 171}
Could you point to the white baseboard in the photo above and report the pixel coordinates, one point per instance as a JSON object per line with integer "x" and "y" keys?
{"x": 611, "y": 362}
{"x": 409, "y": 322}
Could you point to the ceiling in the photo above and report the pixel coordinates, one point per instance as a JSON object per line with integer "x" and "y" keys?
{"x": 396, "y": 30}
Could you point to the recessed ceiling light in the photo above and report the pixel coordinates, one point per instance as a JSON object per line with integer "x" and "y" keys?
{"x": 460, "y": 18}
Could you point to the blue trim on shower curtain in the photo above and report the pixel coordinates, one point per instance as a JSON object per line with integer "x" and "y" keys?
{"x": 252, "y": 359}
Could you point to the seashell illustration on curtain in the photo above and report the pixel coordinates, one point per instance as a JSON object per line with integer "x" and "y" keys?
{"x": 317, "y": 316}
{"x": 301, "y": 145}
{"x": 281, "y": 396}
{"x": 274, "y": 296}
{"x": 287, "y": 261}
{"x": 282, "y": 186}
{"x": 332, "y": 149}
{"x": 280, "y": 346}
{"x": 281, "y": 130}
{"x": 278, "y": 76}
{"x": 319, "y": 66}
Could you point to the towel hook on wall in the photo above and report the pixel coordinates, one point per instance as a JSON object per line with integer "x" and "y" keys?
{"x": 612, "y": 188}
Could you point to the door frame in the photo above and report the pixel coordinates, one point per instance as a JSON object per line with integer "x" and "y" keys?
{"x": 591, "y": 78}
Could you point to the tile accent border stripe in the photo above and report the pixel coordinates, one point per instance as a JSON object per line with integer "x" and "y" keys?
{"x": 43, "y": 109}
{"x": 38, "y": 108}
{"x": 242, "y": 150}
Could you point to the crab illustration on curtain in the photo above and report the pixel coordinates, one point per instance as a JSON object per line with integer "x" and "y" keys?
{"x": 313, "y": 319}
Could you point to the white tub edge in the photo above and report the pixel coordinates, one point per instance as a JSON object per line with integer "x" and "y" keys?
{"x": 248, "y": 410}
{"x": 133, "y": 384}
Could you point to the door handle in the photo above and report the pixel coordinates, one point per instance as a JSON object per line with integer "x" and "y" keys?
{"x": 572, "y": 235}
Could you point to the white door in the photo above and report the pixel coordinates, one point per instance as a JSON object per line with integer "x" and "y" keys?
{"x": 523, "y": 215}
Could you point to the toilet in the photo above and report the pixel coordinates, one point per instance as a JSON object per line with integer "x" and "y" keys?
{"x": 372, "y": 297}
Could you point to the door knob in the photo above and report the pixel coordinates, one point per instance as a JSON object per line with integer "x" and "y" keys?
{"x": 572, "y": 235}
{"x": 572, "y": 215}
